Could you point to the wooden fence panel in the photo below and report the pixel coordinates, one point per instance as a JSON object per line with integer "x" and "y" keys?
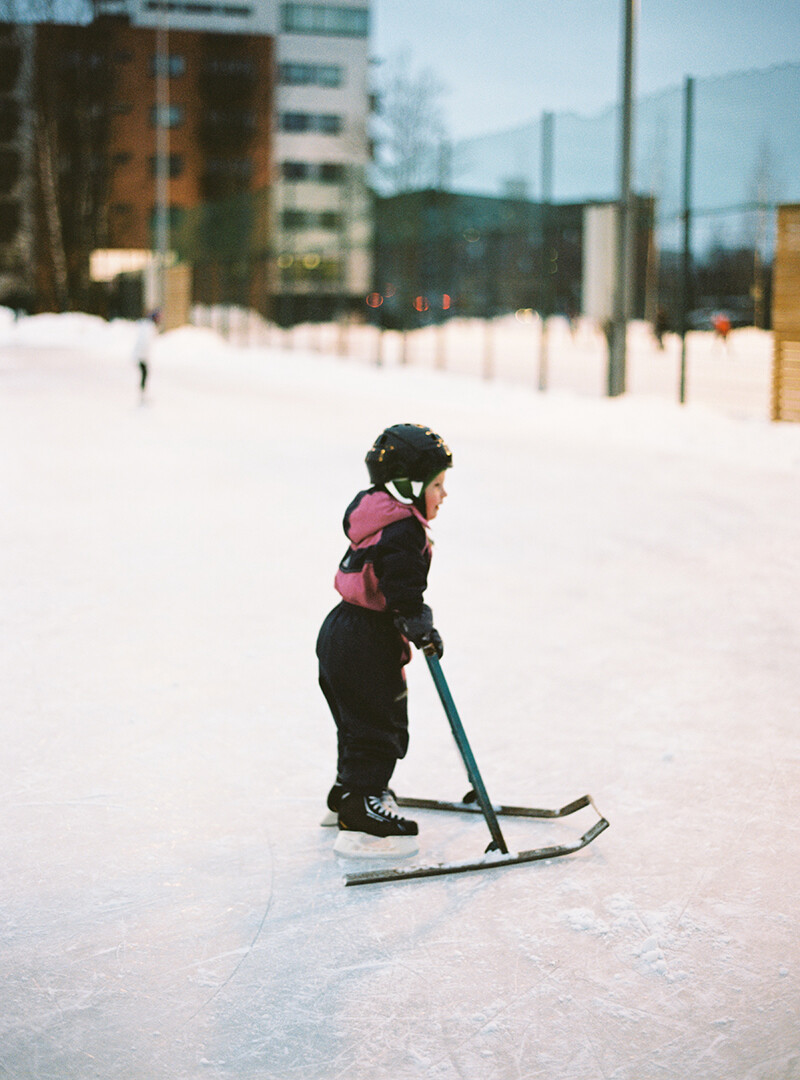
{"x": 786, "y": 316}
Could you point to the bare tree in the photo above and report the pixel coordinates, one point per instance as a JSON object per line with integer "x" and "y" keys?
{"x": 413, "y": 149}
{"x": 71, "y": 107}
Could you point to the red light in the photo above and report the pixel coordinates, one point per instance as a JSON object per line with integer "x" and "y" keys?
{"x": 374, "y": 299}
{"x": 421, "y": 303}
{"x": 445, "y": 302}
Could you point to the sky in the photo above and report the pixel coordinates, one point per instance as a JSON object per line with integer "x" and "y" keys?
{"x": 505, "y": 62}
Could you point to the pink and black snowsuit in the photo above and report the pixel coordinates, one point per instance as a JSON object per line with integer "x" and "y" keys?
{"x": 361, "y": 653}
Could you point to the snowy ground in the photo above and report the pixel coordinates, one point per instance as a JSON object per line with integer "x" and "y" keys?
{"x": 617, "y": 584}
{"x": 733, "y": 377}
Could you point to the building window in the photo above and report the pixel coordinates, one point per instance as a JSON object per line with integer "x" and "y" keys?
{"x": 171, "y": 65}
{"x": 323, "y": 172}
{"x": 330, "y": 219}
{"x": 321, "y": 19}
{"x": 329, "y": 75}
{"x": 320, "y": 124}
{"x": 171, "y": 116}
{"x": 328, "y": 124}
{"x": 225, "y": 10}
{"x": 309, "y": 267}
{"x": 331, "y": 172}
{"x": 240, "y": 66}
{"x": 176, "y": 165}
{"x": 309, "y": 219}
{"x": 294, "y": 219}
{"x": 294, "y": 170}
{"x": 238, "y": 168}
{"x": 175, "y": 217}
{"x": 231, "y": 128}
{"x": 295, "y": 122}
{"x": 76, "y": 58}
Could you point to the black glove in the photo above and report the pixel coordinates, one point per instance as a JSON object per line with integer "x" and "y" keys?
{"x": 420, "y": 630}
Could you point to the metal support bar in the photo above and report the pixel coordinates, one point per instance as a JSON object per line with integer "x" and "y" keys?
{"x": 546, "y": 284}
{"x": 686, "y": 267}
{"x": 622, "y": 285}
{"x": 460, "y": 736}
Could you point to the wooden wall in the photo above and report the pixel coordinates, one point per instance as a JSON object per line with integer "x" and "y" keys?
{"x": 786, "y": 316}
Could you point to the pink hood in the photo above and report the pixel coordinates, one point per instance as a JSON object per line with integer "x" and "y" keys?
{"x": 375, "y": 511}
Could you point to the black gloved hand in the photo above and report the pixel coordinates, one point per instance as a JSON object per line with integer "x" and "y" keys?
{"x": 420, "y": 630}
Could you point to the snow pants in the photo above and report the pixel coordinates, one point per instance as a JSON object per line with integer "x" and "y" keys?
{"x": 361, "y": 658}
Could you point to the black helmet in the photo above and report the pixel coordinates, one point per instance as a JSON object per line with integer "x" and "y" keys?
{"x": 407, "y": 456}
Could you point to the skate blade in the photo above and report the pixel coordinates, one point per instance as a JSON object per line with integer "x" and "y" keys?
{"x": 331, "y": 818}
{"x": 358, "y": 845}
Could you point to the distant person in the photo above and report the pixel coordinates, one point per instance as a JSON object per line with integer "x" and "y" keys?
{"x": 722, "y": 326}
{"x": 146, "y": 330}
{"x": 660, "y": 325}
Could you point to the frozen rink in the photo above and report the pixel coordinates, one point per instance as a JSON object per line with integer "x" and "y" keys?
{"x": 618, "y": 587}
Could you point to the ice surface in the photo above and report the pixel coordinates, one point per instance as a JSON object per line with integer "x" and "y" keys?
{"x": 618, "y": 587}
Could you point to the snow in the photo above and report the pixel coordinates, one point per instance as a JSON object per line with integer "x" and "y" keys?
{"x": 617, "y": 585}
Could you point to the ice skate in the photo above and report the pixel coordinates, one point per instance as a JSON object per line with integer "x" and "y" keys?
{"x": 370, "y": 826}
{"x": 334, "y": 801}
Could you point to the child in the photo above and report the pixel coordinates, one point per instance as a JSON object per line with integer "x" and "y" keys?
{"x": 363, "y": 643}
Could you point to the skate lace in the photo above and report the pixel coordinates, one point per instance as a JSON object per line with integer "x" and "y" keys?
{"x": 384, "y": 805}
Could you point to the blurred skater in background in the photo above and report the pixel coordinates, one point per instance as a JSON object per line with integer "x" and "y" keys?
{"x": 146, "y": 330}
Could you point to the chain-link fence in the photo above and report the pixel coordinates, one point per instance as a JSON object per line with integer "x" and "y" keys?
{"x": 745, "y": 160}
{"x": 462, "y": 274}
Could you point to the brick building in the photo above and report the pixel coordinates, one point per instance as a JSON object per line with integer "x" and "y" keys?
{"x": 97, "y": 115}
{"x": 266, "y": 115}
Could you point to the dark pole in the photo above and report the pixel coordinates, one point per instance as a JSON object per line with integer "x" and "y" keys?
{"x": 686, "y": 264}
{"x": 546, "y": 239}
{"x": 622, "y": 285}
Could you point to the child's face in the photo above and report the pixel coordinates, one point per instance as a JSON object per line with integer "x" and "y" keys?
{"x": 434, "y": 496}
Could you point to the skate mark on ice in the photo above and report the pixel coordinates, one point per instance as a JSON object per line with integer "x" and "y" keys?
{"x": 734, "y": 849}
{"x": 247, "y": 949}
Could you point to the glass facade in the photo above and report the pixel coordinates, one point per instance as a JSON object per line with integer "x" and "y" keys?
{"x": 310, "y": 123}
{"x": 319, "y": 19}
{"x": 330, "y": 75}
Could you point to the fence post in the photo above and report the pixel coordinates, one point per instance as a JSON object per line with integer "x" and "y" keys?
{"x": 488, "y": 349}
{"x": 622, "y": 284}
{"x": 547, "y": 239}
{"x": 686, "y": 268}
{"x": 441, "y": 352}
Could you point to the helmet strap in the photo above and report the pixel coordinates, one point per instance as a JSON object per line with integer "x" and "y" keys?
{"x": 405, "y": 490}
